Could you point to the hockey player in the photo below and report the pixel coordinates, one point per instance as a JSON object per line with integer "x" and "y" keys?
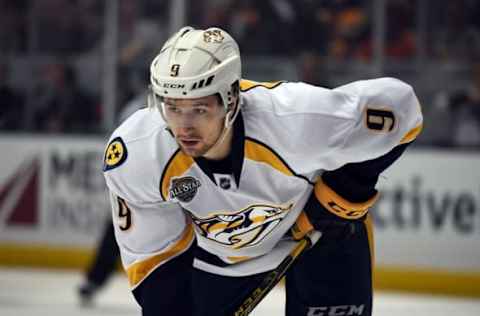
{"x": 236, "y": 163}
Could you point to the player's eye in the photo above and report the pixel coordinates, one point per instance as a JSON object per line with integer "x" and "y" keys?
{"x": 200, "y": 111}
{"x": 173, "y": 109}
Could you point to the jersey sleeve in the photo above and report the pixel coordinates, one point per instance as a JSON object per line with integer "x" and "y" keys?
{"x": 323, "y": 129}
{"x": 349, "y": 135}
{"x": 388, "y": 119}
{"x": 387, "y": 114}
{"x": 148, "y": 235}
{"x": 149, "y": 231}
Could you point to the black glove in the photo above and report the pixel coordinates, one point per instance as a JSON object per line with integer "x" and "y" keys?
{"x": 336, "y": 218}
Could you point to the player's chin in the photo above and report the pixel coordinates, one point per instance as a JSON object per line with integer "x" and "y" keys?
{"x": 194, "y": 151}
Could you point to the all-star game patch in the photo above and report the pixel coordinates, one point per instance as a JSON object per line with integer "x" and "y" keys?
{"x": 184, "y": 189}
{"x": 115, "y": 154}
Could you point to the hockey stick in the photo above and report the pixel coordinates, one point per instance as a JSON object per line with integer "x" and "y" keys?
{"x": 274, "y": 276}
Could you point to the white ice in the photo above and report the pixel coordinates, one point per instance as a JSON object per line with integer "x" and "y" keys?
{"x": 35, "y": 292}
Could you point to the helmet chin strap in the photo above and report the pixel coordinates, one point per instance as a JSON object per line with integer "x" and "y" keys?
{"x": 219, "y": 141}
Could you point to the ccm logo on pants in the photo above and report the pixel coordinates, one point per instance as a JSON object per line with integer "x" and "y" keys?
{"x": 340, "y": 310}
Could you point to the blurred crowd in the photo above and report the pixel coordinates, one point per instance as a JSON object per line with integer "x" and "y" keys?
{"x": 51, "y": 52}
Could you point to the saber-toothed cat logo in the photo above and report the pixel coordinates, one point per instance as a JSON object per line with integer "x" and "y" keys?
{"x": 184, "y": 189}
{"x": 244, "y": 228}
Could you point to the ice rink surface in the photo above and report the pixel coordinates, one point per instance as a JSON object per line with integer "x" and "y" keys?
{"x": 32, "y": 292}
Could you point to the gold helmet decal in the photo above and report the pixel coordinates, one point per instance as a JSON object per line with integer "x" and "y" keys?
{"x": 213, "y": 36}
{"x": 115, "y": 154}
{"x": 244, "y": 228}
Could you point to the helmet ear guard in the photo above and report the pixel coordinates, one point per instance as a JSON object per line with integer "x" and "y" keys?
{"x": 233, "y": 106}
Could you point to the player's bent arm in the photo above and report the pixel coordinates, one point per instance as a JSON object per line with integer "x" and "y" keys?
{"x": 149, "y": 235}
{"x": 342, "y": 197}
{"x": 389, "y": 120}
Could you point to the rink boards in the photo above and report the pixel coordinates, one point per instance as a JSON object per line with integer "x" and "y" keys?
{"x": 427, "y": 222}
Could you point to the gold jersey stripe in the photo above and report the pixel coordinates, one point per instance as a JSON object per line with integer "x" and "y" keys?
{"x": 177, "y": 166}
{"x": 338, "y": 205}
{"x": 246, "y": 85}
{"x": 238, "y": 259}
{"x": 412, "y": 134}
{"x": 260, "y": 153}
{"x": 138, "y": 271}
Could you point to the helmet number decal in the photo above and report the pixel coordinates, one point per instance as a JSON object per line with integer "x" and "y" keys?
{"x": 174, "y": 70}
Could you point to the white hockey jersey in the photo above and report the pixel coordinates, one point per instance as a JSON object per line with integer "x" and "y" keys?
{"x": 240, "y": 210}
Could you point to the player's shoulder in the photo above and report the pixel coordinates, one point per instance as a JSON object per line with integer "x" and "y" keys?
{"x": 135, "y": 154}
{"x": 292, "y": 102}
{"x": 376, "y": 84}
{"x": 387, "y": 90}
{"x": 140, "y": 125}
{"x": 301, "y": 119}
{"x": 136, "y": 128}
{"x": 347, "y": 102}
{"x": 288, "y": 98}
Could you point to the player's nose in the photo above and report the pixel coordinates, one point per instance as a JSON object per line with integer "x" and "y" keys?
{"x": 186, "y": 131}
{"x": 186, "y": 121}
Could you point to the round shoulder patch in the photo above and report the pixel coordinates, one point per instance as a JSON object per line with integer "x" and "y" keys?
{"x": 115, "y": 154}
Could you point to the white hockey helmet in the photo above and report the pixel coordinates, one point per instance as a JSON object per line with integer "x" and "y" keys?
{"x": 197, "y": 63}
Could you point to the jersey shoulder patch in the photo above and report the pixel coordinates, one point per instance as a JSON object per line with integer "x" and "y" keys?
{"x": 115, "y": 154}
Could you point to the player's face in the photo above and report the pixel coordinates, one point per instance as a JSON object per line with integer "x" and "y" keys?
{"x": 195, "y": 123}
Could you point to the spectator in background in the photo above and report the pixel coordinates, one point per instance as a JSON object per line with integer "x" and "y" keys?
{"x": 400, "y": 41}
{"x": 459, "y": 111}
{"x": 457, "y": 33}
{"x": 313, "y": 15}
{"x": 351, "y": 28}
{"x": 312, "y": 71}
{"x": 11, "y": 103}
{"x": 141, "y": 29}
{"x": 284, "y": 18}
{"x": 139, "y": 36}
{"x": 13, "y": 37}
{"x": 64, "y": 19}
{"x": 465, "y": 108}
{"x": 139, "y": 33}
{"x": 61, "y": 106}
{"x": 263, "y": 27}
{"x": 90, "y": 20}
{"x": 400, "y": 34}
{"x": 253, "y": 31}
{"x": 213, "y": 12}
